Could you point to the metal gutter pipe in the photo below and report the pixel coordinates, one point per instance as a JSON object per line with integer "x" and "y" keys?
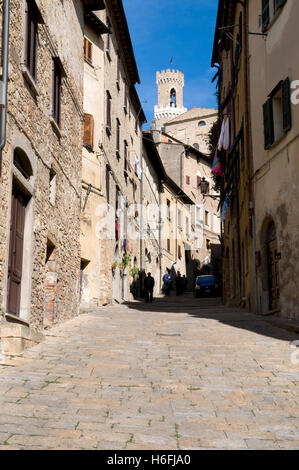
{"x": 4, "y": 81}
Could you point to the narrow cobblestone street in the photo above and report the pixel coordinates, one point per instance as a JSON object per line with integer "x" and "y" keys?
{"x": 182, "y": 373}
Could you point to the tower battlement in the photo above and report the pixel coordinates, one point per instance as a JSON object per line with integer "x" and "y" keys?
{"x": 170, "y": 76}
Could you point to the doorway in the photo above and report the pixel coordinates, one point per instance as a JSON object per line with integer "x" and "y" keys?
{"x": 16, "y": 248}
{"x": 273, "y": 268}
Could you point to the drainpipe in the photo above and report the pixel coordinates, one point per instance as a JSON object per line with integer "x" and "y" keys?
{"x": 4, "y": 81}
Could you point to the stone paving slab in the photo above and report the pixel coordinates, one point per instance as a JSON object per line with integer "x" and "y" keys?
{"x": 182, "y": 373}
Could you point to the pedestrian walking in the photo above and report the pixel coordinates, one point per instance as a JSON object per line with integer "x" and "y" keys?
{"x": 167, "y": 279}
{"x": 149, "y": 284}
{"x": 185, "y": 283}
{"x": 179, "y": 284}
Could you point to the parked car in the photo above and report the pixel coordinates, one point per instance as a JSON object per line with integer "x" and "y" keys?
{"x": 206, "y": 286}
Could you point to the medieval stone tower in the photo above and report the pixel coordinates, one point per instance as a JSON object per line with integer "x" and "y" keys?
{"x": 170, "y": 96}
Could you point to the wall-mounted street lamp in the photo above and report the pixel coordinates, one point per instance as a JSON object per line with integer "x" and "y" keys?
{"x": 204, "y": 189}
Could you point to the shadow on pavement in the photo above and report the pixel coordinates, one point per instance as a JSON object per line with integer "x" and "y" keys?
{"x": 212, "y": 308}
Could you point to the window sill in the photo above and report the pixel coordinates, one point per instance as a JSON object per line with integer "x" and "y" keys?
{"x": 88, "y": 147}
{"x": 88, "y": 62}
{"x": 277, "y": 142}
{"x": 14, "y": 319}
{"x": 30, "y": 80}
{"x": 56, "y": 128}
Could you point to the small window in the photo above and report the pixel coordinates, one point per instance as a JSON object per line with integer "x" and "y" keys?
{"x": 88, "y": 130}
{"x": 270, "y": 9}
{"x": 207, "y": 218}
{"x": 126, "y": 165}
{"x": 179, "y": 252}
{"x": 202, "y": 123}
{"x": 168, "y": 209}
{"x": 56, "y": 91}
{"x": 179, "y": 218}
{"x": 52, "y": 181}
{"x": 108, "y": 40}
{"x": 277, "y": 113}
{"x": 196, "y": 146}
{"x": 87, "y": 50}
{"x": 22, "y": 163}
{"x": 125, "y": 97}
{"x": 108, "y": 184}
{"x": 168, "y": 244}
{"x": 117, "y": 137}
{"x": 108, "y": 112}
{"x": 32, "y": 18}
{"x": 208, "y": 244}
{"x": 172, "y": 98}
{"x": 187, "y": 179}
{"x": 118, "y": 70}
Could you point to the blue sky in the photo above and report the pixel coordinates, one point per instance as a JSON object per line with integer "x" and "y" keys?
{"x": 184, "y": 30}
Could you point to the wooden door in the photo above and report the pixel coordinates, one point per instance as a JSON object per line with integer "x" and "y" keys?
{"x": 15, "y": 261}
{"x": 273, "y": 274}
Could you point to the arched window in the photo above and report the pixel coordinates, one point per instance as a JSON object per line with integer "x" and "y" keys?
{"x": 196, "y": 146}
{"x": 202, "y": 123}
{"x": 172, "y": 98}
{"x": 22, "y": 163}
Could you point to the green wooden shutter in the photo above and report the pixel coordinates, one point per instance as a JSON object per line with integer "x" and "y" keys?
{"x": 268, "y": 123}
{"x": 281, "y": 3}
{"x": 286, "y": 105}
{"x": 265, "y": 14}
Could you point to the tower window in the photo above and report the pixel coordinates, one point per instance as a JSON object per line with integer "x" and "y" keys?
{"x": 172, "y": 98}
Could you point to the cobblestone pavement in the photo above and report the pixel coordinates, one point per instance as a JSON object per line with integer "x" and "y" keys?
{"x": 182, "y": 373}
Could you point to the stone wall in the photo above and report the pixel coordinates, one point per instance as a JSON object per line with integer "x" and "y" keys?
{"x": 49, "y": 148}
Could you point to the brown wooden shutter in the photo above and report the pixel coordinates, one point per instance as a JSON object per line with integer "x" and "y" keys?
{"x": 88, "y": 130}
{"x": 87, "y": 50}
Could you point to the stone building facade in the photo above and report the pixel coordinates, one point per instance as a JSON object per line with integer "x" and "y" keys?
{"x": 186, "y": 166}
{"x": 258, "y": 94}
{"x": 193, "y": 127}
{"x": 41, "y": 165}
{"x": 274, "y": 112}
{"x": 111, "y": 165}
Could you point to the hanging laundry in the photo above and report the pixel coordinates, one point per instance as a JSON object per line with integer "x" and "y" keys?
{"x": 217, "y": 169}
{"x": 224, "y": 139}
{"x": 223, "y": 212}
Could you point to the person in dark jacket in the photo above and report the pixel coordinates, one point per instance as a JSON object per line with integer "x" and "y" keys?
{"x": 149, "y": 283}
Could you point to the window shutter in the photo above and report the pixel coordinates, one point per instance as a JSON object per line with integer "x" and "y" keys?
{"x": 265, "y": 14}
{"x": 281, "y": 3}
{"x": 240, "y": 32}
{"x": 268, "y": 123}
{"x": 108, "y": 110}
{"x": 88, "y": 130}
{"x": 286, "y": 105}
{"x": 27, "y": 41}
